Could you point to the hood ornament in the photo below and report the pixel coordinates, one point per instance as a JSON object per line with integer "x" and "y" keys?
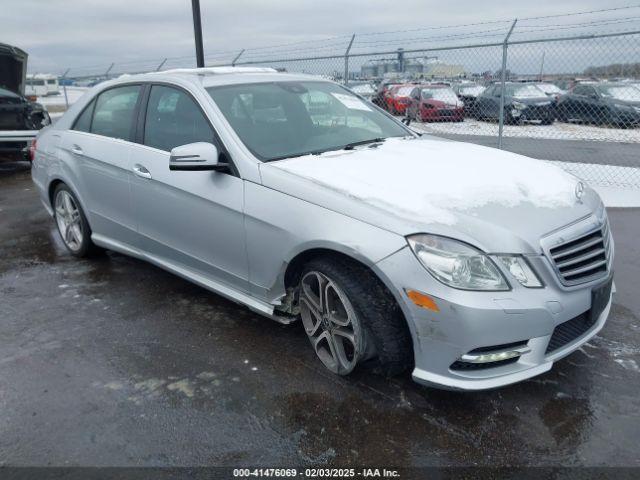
{"x": 579, "y": 191}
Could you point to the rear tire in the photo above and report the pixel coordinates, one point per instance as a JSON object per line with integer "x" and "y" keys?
{"x": 363, "y": 308}
{"x": 72, "y": 223}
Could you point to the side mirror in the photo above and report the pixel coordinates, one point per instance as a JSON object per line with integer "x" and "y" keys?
{"x": 196, "y": 156}
{"x": 406, "y": 121}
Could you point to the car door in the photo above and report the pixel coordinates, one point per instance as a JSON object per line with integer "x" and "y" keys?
{"x": 99, "y": 145}
{"x": 485, "y": 103}
{"x": 578, "y": 105}
{"x": 595, "y": 108}
{"x": 187, "y": 219}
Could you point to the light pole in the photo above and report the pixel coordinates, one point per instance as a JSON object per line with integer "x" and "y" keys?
{"x": 197, "y": 30}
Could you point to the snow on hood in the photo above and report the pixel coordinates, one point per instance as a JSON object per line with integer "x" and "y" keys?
{"x": 431, "y": 179}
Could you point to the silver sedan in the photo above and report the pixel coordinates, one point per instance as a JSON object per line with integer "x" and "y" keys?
{"x": 472, "y": 267}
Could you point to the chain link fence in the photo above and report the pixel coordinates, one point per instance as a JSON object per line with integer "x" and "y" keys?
{"x": 570, "y": 99}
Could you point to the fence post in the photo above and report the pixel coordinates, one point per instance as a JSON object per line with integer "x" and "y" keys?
{"x": 346, "y": 60}
{"x": 106, "y": 74}
{"x": 64, "y": 87}
{"x": 161, "y": 64}
{"x": 233, "y": 62}
{"x": 503, "y": 79}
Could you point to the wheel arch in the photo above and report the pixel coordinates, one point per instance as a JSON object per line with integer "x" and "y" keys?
{"x": 295, "y": 268}
{"x": 51, "y": 188}
{"x": 293, "y": 271}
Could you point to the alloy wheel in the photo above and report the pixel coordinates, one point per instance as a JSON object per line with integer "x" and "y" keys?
{"x": 331, "y": 323}
{"x": 68, "y": 220}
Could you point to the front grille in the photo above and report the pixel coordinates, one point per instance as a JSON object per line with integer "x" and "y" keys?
{"x": 570, "y": 330}
{"x": 584, "y": 258}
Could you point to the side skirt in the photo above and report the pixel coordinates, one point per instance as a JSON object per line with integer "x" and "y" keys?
{"x": 263, "y": 308}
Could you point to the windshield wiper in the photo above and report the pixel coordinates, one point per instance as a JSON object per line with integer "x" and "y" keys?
{"x": 351, "y": 146}
{"x": 348, "y": 146}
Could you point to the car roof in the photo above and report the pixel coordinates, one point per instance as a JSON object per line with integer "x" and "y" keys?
{"x": 217, "y": 76}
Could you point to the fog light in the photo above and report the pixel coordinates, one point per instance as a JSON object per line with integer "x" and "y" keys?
{"x": 491, "y": 357}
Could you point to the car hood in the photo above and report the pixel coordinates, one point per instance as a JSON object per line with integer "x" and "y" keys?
{"x": 533, "y": 100}
{"x": 499, "y": 201}
{"x": 622, "y": 103}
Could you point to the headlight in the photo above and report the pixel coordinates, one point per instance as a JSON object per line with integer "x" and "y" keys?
{"x": 457, "y": 264}
{"x": 520, "y": 269}
{"x": 519, "y": 106}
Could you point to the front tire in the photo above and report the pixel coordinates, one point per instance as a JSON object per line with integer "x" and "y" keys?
{"x": 72, "y": 222}
{"x": 350, "y": 317}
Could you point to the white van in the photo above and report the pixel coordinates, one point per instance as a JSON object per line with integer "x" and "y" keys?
{"x": 42, "y": 84}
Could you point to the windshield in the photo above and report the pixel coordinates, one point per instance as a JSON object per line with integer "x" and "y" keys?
{"x": 621, "y": 92}
{"x": 278, "y": 120}
{"x": 549, "y": 88}
{"x": 525, "y": 91}
{"x": 471, "y": 90}
{"x": 404, "y": 91}
{"x": 441, "y": 94}
{"x": 363, "y": 88}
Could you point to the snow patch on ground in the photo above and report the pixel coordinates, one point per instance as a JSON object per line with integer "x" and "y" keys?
{"x": 556, "y": 131}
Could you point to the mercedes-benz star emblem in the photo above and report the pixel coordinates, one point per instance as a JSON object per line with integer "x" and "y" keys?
{"x": 579, "y": 191}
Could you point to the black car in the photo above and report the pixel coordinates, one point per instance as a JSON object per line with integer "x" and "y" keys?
{"x": 523, "y": 102}
{"x": 17, "y": 113}
{"x": 602, "y": 103}
{"x": 468, "y": 92}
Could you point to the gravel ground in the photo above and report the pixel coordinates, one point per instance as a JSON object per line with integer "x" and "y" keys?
{"x": 112, "y": 361}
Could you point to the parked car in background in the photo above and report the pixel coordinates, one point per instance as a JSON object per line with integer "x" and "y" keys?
{"x": 468, "y": 92}
{"x": 20, "y": 116}
{"x": 399, "y": 99}
{"x": 551, "y": 89}
{"x": 473, "y": 267}
{"x": 381, "y": 96}
{"x": 554, "y": 92}
{"x": 523, "y": 102}
{"x": 364, "y": 89}
{"x": 603, "y": 103}
{"x": 435, "y": 103}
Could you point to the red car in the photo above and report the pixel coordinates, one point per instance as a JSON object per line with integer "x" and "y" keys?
{"x": 435, "y": 103}
{"x": 399, "y": 99}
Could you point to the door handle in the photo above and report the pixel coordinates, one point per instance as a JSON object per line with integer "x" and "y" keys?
{"x": 76, "y": 149}
{"x": 141, "y": 171}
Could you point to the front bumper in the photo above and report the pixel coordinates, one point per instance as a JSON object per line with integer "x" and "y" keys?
{"x": 534, "y": 113}
{"x": 474, "y": 320}
{"x": 442, "y": 114}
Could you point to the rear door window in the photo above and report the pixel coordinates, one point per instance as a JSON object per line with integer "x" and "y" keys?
{"x": 173, "y": 119}
{"x": 114, "y": 113}
{"x": 83, "y": 122}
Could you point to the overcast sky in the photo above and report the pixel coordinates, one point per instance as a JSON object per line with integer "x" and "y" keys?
{"x": 81, "y": 33}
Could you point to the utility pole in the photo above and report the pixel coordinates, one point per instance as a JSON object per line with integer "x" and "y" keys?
{"x": 197, "y": 30}
{"x": 541, "y": 66}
